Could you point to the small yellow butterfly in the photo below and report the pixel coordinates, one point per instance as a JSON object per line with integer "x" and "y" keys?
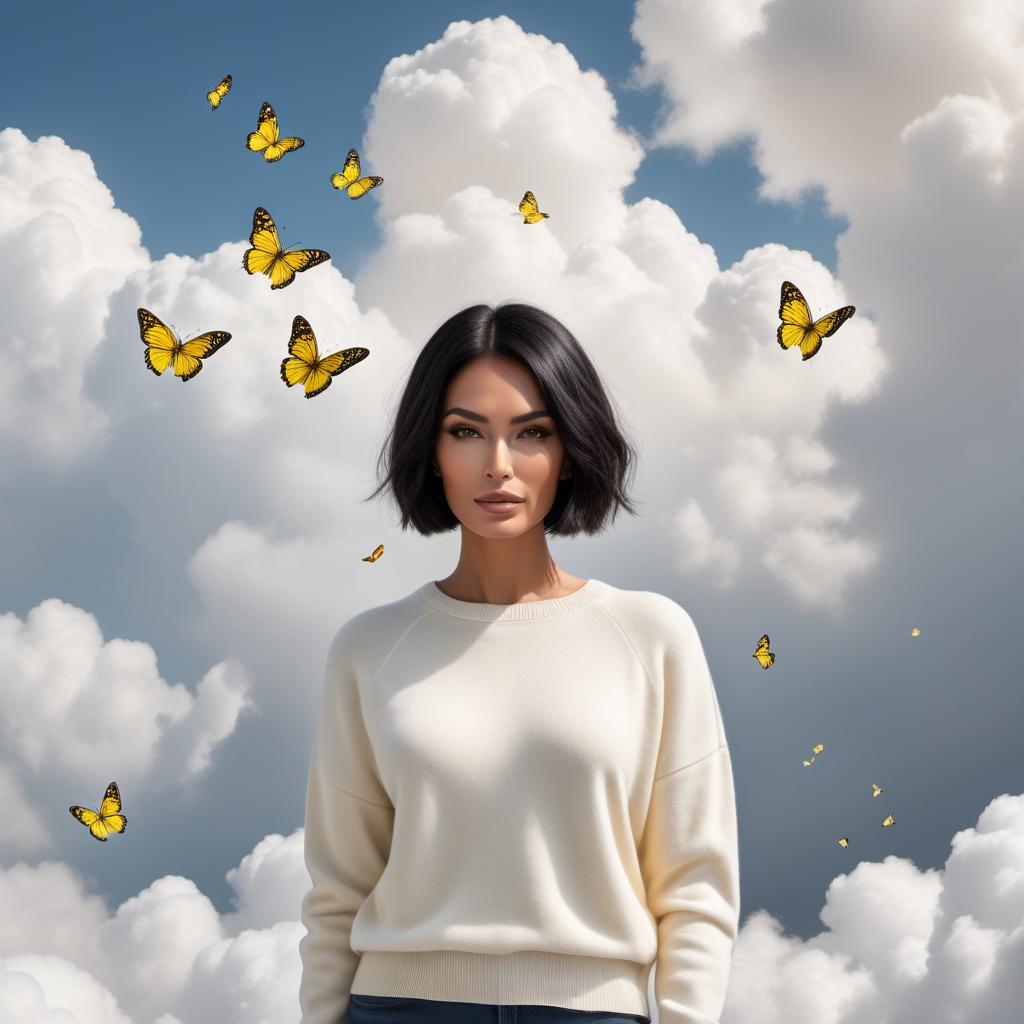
{"x": 265, "y": 139}
{"x": 875, "y": 790}
{"x": 528, "y": 208}
{"x": 348, "y": 178}
{"x": 306, "y": 365}
{"x": 844, "y": 841}
{"x": 218, "y": 92}
{"x": 764, "y": 657}
{"x": 797, "y": 328}
{"x": 164, "y": 349}
{"x": 915, "y": 632}
{"x": 375, "y": 554}
{"x": 267, "y": 257}
{"x": 814, "y": 752}
{"x": 888, "y": 821}
{"x": 107, "y": 819}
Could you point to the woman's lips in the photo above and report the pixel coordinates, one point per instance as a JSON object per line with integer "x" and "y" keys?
{"x": 498, "y": 506}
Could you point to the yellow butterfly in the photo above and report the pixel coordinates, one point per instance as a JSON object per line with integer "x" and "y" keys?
{"x": 163, "y": 348}
{"x": 764, "y": 657}
{"x": 218, "y": 92}
{"x": 349, "y": 178}
{"x": 528, "y": 208}
{"x": 265, "y": 139}
{"x": 915, "y": 632}
{"x": 797, "y": 328}
{"x": 875, "y": 790}
{"x": 267, "y": 257}
{"x": 305, "y": 365}
{"x": 815, "y": 750}
{"x": 375, "y": 554}
{"x": 844, "y": 841}
{"x": 109, "y": 817}
{"x": 888, "y": 821}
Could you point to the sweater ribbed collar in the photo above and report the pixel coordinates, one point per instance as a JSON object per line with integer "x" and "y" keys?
{"x": 437, "y": 599}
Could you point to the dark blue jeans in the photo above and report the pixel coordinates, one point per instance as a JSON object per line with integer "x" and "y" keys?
{"x": 404, "y": 1010}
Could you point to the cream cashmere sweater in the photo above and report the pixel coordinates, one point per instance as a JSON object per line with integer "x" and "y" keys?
{"x": 529, "y": 803}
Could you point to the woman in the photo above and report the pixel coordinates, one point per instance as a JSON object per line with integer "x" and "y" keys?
{"x": 520, "y": 795}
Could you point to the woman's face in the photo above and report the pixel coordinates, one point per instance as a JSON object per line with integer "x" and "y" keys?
{"x": 479, "y": 447}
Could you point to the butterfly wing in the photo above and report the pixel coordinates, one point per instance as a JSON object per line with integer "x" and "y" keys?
{"x": 529, "y": 209}
{"x": 160, "y": 343}
{"x": 293, "y": 262}
{"x": 218, "y": 92}
{"x": 297, "y": 367}
{"x": 110, "y": 810}
{"x": 267, "y": 257}
{"x": 330, "y": 366}
{"x": 265, "y": 242}
{"x": 363, "y": 185}
{"x": 795, "y": 316}
{"x": 88, "y": 817}
{"x": 825, "y": 327}
{"x": 797, "y": 328}
{"x": 108, "y": 819}
{"x": 266, "y": 130}
{"x": 764, "y": 656}
{"x": 282, "y": 146}
{"x": 375, "y": 554}
{"x": 349, "y": 178}
{"x": 187, "y": 359}
{"x": 266, "y": 139}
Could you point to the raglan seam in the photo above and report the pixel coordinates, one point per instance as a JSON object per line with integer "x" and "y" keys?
{"x": 632, "y": 646}
{"x": 394, "y": 646}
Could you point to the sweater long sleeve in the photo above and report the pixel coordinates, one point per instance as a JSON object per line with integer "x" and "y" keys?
{"x": 520, "y": 804}
{"x": 347, "y": 838}
{"x": 689, "y": 851}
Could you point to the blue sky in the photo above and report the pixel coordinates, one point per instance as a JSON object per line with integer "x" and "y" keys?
{"x": 128, "y": 83}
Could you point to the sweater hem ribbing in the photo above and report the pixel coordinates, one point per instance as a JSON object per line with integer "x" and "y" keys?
{"x": 527, "y": 977}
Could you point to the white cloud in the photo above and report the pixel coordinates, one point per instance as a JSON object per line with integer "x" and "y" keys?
{"x": 64, "y": 249}
{"x": 824, "y": 90}
{"x": 79, "y": 707}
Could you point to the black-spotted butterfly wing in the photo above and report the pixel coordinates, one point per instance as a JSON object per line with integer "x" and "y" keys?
{"x": 350, "y": 179}
{"x": 266, "y": 138}
{"x": 267, "y": 257}
{"x": 218, "y": 92}
{"x": 163, "y": 348}
{"x": 107, "y": 819}
{"x": 797, "y": 327}
{"x": 305, "y": 366}
{"x": 765, "y": 658}
{"x": 529, "y": 209}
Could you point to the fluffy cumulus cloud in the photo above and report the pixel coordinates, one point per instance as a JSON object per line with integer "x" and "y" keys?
{"x": 953, "y": 951}
{"x": 163, "y": 956}
{"x": 64, "y": 249}
{"x": 76, "y": 706}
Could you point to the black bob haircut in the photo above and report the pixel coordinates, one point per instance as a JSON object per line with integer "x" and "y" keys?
{"x": 601, "y": 456}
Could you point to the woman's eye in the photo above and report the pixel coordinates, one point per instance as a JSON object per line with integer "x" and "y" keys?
{"x": 540, "y": 431}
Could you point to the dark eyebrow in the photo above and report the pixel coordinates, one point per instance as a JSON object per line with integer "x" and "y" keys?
{"x": 532, "y": 415}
